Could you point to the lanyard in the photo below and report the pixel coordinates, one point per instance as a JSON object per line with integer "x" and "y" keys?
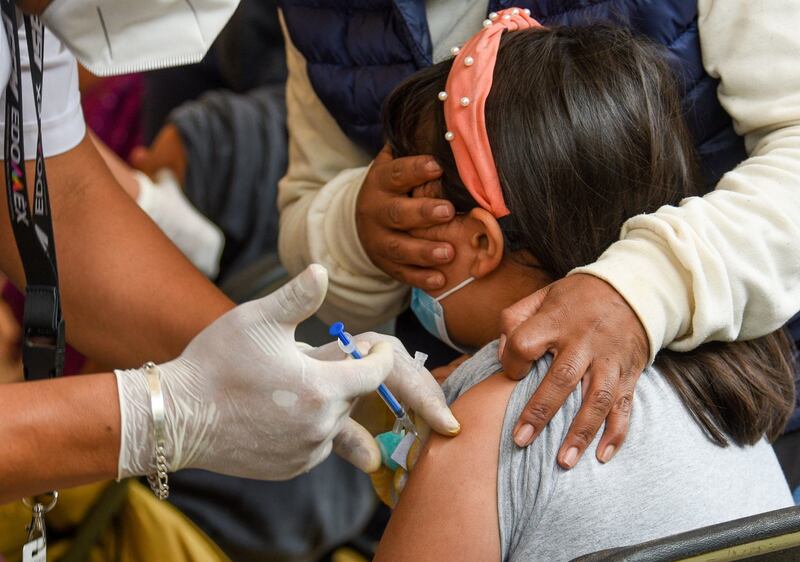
{"x": 43, "y": 324}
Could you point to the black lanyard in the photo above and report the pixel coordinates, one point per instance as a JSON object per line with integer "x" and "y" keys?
{"x": 43, "y": 324}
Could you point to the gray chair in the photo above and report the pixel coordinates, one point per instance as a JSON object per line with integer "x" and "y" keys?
{"x": 769, "y": 537}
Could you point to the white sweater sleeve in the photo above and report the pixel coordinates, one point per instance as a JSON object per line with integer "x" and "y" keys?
{"x": 727, "y": 266}
{"x": 317, "y": 202}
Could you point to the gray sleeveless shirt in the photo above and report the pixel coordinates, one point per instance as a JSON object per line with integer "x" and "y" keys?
{"x": 666, "y": 479}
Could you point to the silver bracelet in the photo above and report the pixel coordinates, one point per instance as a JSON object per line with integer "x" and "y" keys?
{"x": 159, "y": 480}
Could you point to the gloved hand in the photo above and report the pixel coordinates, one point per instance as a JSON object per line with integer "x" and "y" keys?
{"x": 411, "y": 383}
{"x": 244, "y": 400}
{"x": 164, "y": 201}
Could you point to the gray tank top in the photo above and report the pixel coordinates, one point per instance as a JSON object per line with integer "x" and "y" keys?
{"x": 667, "y": 478}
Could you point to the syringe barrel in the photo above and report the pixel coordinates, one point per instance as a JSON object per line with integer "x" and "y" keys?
{"x": 347, "y": 345}
{"x": 391, "y": 401}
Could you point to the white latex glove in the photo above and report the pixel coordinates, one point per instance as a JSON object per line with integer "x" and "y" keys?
{"x": 412, "y": 384}
{"x": 243, "y": 399}
{"x": 198, "y": 238}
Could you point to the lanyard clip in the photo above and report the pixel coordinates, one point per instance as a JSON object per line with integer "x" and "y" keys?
{"x": 36, "y": 528}
{"x": 35, "y": 548}
{"x": 43, "y": 344}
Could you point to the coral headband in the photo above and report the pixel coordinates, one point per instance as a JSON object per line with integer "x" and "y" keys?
{"x": 464, "y": 98}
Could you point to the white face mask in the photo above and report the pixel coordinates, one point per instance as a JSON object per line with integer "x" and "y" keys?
{"x": 122, "y": 36}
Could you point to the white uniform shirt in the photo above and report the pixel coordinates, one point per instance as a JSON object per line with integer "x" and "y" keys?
{"x": 63, "y": 126}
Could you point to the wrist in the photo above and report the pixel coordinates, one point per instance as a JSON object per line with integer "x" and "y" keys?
{"x": 644, "y": 274}
{"x": 136, "y": 441}
{"x": 335, "y": 209}
{"x": 137, "y": 402}
{"x": 360, "y": 225}
{"x": 348, "y": 200}
{"x": 158, "y": 479}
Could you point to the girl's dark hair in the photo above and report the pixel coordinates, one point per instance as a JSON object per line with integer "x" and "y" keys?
{"x": 586, "y": 131}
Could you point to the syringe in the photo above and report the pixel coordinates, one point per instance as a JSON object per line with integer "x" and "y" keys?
{"x": 348, "y": 346}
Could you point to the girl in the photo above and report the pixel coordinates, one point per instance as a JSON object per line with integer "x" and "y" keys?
{"x": 549, "y": 140}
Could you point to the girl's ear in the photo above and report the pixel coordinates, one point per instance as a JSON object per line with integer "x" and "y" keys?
{"x": 486, "y": 241}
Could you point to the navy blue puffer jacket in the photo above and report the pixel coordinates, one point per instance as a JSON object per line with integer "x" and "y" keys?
{"x": 358, "y": 50}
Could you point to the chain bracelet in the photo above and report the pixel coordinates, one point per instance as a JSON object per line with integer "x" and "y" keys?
{"x": 159, "y": 480}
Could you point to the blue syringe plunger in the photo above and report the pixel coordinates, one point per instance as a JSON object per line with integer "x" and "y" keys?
{"x": 337, "y": 330}
{"x": 346, "y": 343}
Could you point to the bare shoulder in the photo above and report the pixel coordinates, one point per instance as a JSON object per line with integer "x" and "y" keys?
{"x": 448, "y": 509}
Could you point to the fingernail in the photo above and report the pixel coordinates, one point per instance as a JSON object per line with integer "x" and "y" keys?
{"x": 432, "y": 166}
{"x": 501, "y": 346}
{"x": 441, "y": 254}
{"x": 453, "y": 427}
{"x": 571, "y": 456}
{"x": 523, "y": 435}
{"x": 607, "y": 453}
{"x": 435, "y": 281}
{"x": 441, "y": 212}
{"x": 366, "y": 460}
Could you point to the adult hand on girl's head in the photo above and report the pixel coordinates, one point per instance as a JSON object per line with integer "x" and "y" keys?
{"x": 385, "y": 214}
{"x": 595, "y": 337}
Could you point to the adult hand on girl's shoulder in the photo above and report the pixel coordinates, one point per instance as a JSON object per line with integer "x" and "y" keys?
{"x": 595, "y": 337}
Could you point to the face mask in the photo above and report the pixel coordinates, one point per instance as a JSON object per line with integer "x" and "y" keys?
{"x": 430, "y": 313}
{"x": 122, "y": 36}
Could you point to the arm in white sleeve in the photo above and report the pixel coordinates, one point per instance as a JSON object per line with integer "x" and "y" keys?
{"x": 63, "y": 126}
{"x": 727, "y": 266}
{"x": 317, "y": 202}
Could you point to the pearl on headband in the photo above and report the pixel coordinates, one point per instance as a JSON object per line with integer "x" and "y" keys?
{"x": 527, "y": 12}
{"x": 442, "y": 95}
{"x": 464, "y": 101}
{"x": 469, "y": 61}
{"x": 449, "y": 135}
{"x": 487, "y": 23}
{"x": 493, "y": 16}
{"x": 455, "y": 50}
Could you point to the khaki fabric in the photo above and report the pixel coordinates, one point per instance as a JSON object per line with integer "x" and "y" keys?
{"x": 144, "y": 529}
